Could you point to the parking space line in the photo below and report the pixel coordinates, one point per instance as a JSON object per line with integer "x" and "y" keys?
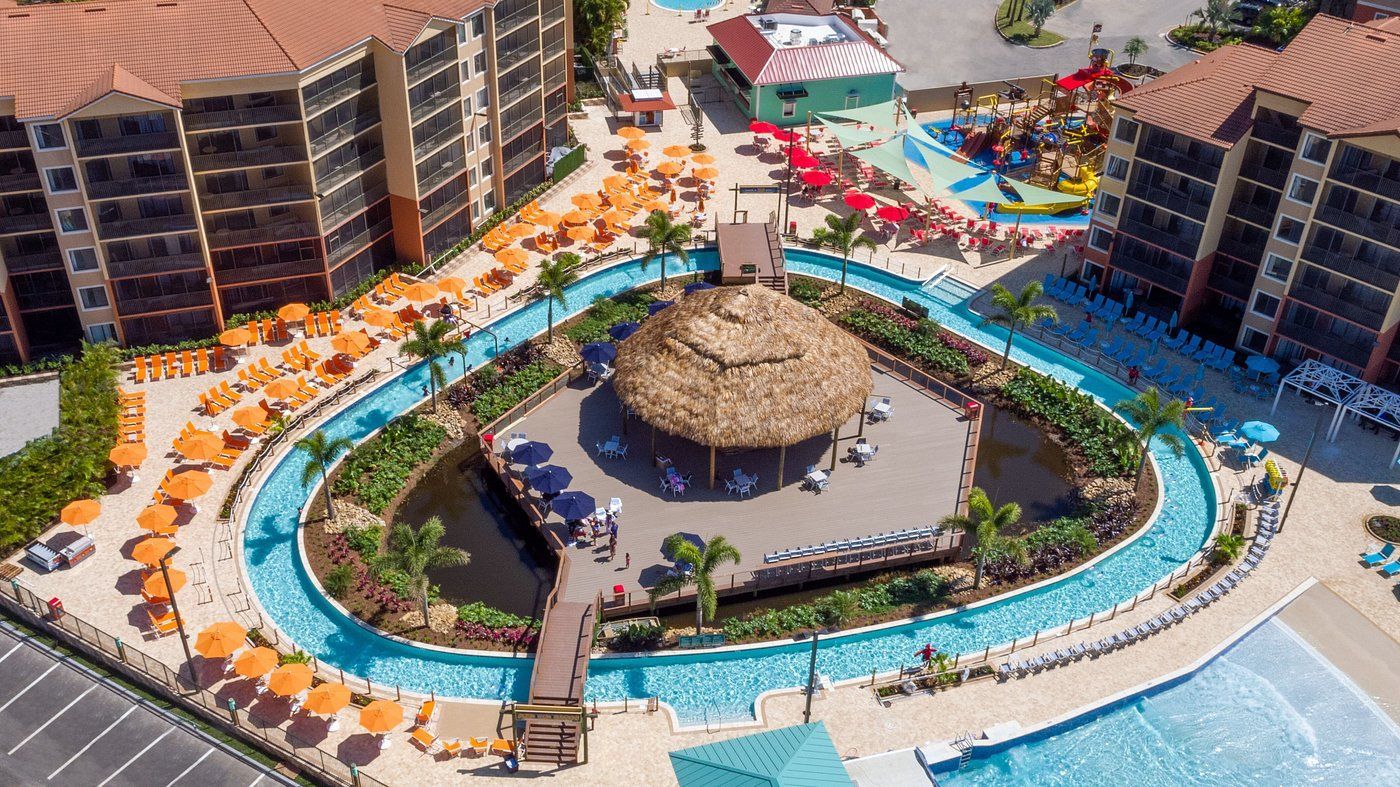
{"x": 255, "y": 781}
{"x": 193, "y": 765}
{"x": 91, "y": 743}
{"x": 17, "y": 646}
{"x": 136, "y": 757}
{"x": 35, "y": 682}
{"x": 51, "y": 720}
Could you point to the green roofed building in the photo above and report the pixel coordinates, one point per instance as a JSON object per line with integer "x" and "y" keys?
{"x": 780, "y": 66}
{"x": 800, "y": 756}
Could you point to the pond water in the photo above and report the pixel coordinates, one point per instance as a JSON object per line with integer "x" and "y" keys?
{"x": 1018, "y": 463}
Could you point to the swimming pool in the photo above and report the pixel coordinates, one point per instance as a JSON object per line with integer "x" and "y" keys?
{"x": 686, "y": 5}
{"x": 1269, "y": 710}
{"x": 715, "y": 685}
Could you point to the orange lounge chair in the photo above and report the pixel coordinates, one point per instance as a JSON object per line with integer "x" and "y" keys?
{"x": 425, "y": 713}
{"x": 452, "y": 748}
{"x": 307, "y": 352}
{"x": 502, "y": 747}
{"x": 425, "y": 740}
{"x": 140, "y": 372}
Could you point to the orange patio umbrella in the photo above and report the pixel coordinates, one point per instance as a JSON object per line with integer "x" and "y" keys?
{"x": 155, "y": 586}
{"x": 381, "y": 716}
{"x": 80, "y": 512}
{"x": 289, "y": 679}
{"x": 586, "y": 200}
{"x": 614, "y": 182}
{"x": 519, "y": 231}
{"x": 582, "y": 233}
{"x": 189, "y": 484}
{"x": 638, "y": 144}
{"x": 293, "y": 311}
{"x": 706, "y": 173}
{"x": 615, "y": 218}
{"x": 351, "y": 342}
{"x": 670, "y": 168}
{"x": 327, "y": 699}
{"x": 576, "y": 217}
{"x": 200, "y": 446}
{"x": 651, "y": 206}
{"x": 421, "y": 291}
{"x": 253, "y": 417}
{"x": 281, "y": 388}
{"x": 151, "y": 550}
{"x": 703, "y": 158}
{"x": 452, "y": 285}
{"x": 631, "y": 132}
{"x": 127, "y": 454}
{"x": 255, "y": 663}
{"x": 235, "y": 337}
{"x": 676, "y": 151}
{"x": 220, "y": 640}
{"x": 546, "y": 218}
{"x": 158, "y": 518}
{"x": 512, "y": 256}
{"x": 379, "y": 318}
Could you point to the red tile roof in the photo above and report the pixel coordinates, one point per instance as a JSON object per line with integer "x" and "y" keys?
{"x": 764, "y": 64}
{"x": 630, "y": 104}
{"x": 1211, "y": 99}
{"x": 55, "y": 58}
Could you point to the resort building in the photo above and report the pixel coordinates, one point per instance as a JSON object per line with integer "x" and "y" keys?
{"x": 164, "y": 165}
{"x": 1256, "y": 195}
{"x": 779, "y": 67}
{"x": 1375, "y": 10}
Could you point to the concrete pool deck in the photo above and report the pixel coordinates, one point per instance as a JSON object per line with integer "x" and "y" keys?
{"x": 1354, "y": 645}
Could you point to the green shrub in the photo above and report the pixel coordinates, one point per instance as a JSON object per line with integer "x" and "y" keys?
{"x": 51, "y": 472}
{"x": 805, "y": 291}
{"x": 605, "y": 313}
{"x": 477, "y": 612}
{"x": 638, "y": 636}
{"x": 493, "y": 402}
{"x": 1102, "y": 438}
{"x": 50, "y": 364}
{"x": 883, "y": 594}
{"x": 364, "y": 540}
{"x": 917, "y": 345}
{"x": 297, "y": 657}
{"x": 337, "y": 580}
{"x": 375, "y": 472}
{"x": 1065, "y": 532}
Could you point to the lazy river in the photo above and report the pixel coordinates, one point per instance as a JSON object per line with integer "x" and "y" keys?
{"x": 714, "y": 685}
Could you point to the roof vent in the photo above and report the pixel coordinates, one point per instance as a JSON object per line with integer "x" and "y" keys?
{"x": 97, "y": 10}
{"x": 166, "y": 5}
{"x": 1374, "y": 37}
{"x": 17, "y": 16}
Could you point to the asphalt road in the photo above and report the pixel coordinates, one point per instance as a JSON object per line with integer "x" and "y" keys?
{"x": 944, "y": 42}
{"x": 61, "y": 725}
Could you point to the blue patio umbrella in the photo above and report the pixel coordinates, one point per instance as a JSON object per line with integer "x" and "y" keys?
{"x": 1258, "y": 431}
{"x": 698, "y": 286}
{"x": 549, "y": 479}
{"x": 573, "y": 505}
{"x": 622, "y": 330}
{"x": 656, "y": 306}
{"x": 1262, "y": 364}
{"x": 531, "y": 453}
{"x": 598, "y": 352}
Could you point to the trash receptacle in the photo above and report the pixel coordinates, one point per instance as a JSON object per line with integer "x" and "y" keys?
{"x": 792, "y": 228}
{"x": 973, "y": 410}
{"x": 55, "y": 608}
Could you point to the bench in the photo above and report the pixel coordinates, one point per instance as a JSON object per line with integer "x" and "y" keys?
{"x": 700, "y": 641}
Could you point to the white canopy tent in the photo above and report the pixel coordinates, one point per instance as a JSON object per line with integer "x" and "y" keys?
{"x": 1320, "y": 381}
{"x": 1375, "y": 404}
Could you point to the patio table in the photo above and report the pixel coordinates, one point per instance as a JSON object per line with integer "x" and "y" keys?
{"x": 611, "y": 447}
{"x": 883, "y": 408}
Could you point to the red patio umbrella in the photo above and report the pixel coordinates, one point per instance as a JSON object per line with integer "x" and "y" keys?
{"x": 858, "y": 201}
{"x": 816, "y": 177}
{"x": 802, "y": 159}
{"x": 894, "y": 213}
{"x": 782, "y": 135}
{"x": 762, "y": 127}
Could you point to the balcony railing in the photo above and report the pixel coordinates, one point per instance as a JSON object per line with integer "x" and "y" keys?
{"x": 1371, "y": 230}
{"x": 1175, "y": 201}
{"x": 1258, "y": 214}
{"x": 454, "y": 205}
{"x": 1345, "y": 308}
{"x": 523, "y": 157}
{"x": 152, "y": 225}
{"x": 150, "y": 266}
{"x": 437, "y": 140}
{"x": 348, "y": 169}
{"x": 129, "y": 143}
{"x": 1257, "y": 168}
{"x": 512, "y": 129}
{"x": 1324, "y": 342}
{"x": 1383, "y": 273}
{"x": 505, "y": 61}
{"x": 429, "y": 106}
{"x": 46, "y": 299}
{"x": 344, "y": 133}
{"x": 273, "y": 195}
{"x": 516, "y": 18}
{"x": 428, "y": 182}
{"x": 268, "y": 233}
{"x": 244, "y": 159}
{"x": 28, "y": 263}
{"x": 1149, "y": 270}
{"x": 358, "y": 242}
{"x": 553, "y": 47}
{"x": 164, "y": 303}
{"x": 332, "y": 96}
{"x": 1242, "y": 249}
{"x": 1272, "y": 132}
{"x": 331, "y": 218}
{"x": 433, "y": 64}
{"x": 1237, "y": 283}
{"x": 134, "y": 187}
{"x": 1171, "y": 158}
{"x": 24, "y": 181}
{"x": 24, "y": 222}
{"x": 9, "y": 140}
{"x": 1368, "y": 180}
{"x": 511, "y": 95}
{"x": 233, "y": 118}
{"x": 272, "y": 270}
{"x": 1172, "y": 241}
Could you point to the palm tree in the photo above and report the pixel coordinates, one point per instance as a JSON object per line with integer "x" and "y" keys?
{"x": 1151, "y": 417}
{"x": 1134, "y": 48}
{"x": 1227, "y": 548}
{"x": 840, "y": 234}
{"x": 704, "y": 560}
{"x": 414, "y": 551}
{"x": 321, "y": 453}
{"x": 554, "y": 277}
{"x": 429, "y": 343}
{"x": 663, "y": 237}
{"x": 987, "y": 521}
{"x": 1214, "y": 15}
{"x": 1017, "y": 310}
{"x": 1039, "y": 11}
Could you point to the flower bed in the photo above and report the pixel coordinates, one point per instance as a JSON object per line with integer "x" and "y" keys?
{"x": 884, "y": 598}
{"x": 1384, "y": 527}
{"x": 920, "y": 340}
{"x": 374, "y": 473}
{"x": 493, "y": 389}
{"x": 593, "y": 325}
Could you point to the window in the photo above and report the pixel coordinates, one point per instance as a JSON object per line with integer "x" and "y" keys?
{"x": 483, "y": 99}
{"x": 483, "y": 134}
{"x": 49, "y": 136}
{"x": 1302, "y": 190}
{"x": 1109, "y": 204}
{"x": 93, "y": 297}
{"x": 61, "y": 180}
{"x": 486, "y": 169}
{"x": 477, "y": 25}
{"x": 1289, "y": 230}
{"x": 488, "y": 203}
{"x": 852, "y": 100}
{"x": 471, "y": 177}
{"x": 264, "y": 133}
{"x": 479, "y": 62}
{"x": 1265, "y": 305}
{"x": 102, "y": 332}
{"x": 1126, "y": 131}
{"x": 1277, "y": 268}
{"x": 789, "y": 109}
{"x": 467, "y": 107}
{"x": 1117, "y": 168}
{"x": 1254, "y": 340}
{"x": 71, "y": 220}
{"x": 84, "y": 259}
{"x": 1315, "y": 148}
{"x": 1100, "y": 238}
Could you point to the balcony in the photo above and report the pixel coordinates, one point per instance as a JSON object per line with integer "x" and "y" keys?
{"x": 23, "y": 181}
{"x": 1175, "y": 242}
{"x": 272, "y": 270}
{"x": 452, "y": 206}
{"x": 332, "y": 96}
{"x": 151, "y": 225}
{"x": 1235, "y": 279}
{"x": 442, "y": 174}
{"x": 554, "y": 47}
{"x": 1146, "y": 265}
{"x": 1171, "y": 199}
{"x": 516, "y": 18}
{"x": 128, "y": 143}
{"x": 513, "y": 129}
{"x": 522, "y": 89}
{"x": 29, "y": 263}
{"x": 1383, "y": 273}
{"x": 11, "y": 140}
{"x": 1173, "y": 159}
{"x": 522, "y": 158}
{"x": 1369, "y": 180}
{"x": 507, "y": 60}
{"x": 135, "y": 187}
{"x": 268, "y": 233}
{"x": 1324, "y": 342}
{"x": 1278, "y": 135}
{"x": 1347, "y": 309}
{"x": 46, "y": 299}
{"x": 1256, "y": 214}
{"x": 273, "y": 195}
{"x": 348, "y": 169}
{"x": 24, "y": 222}
{"x": 430, "y": 105}
{"x": 343, "y": 133}
{"x": 336, "y": 216}
{"x": 433, "y": 64}
{"x": 270, "y": 156}
{"x": 358, "y": 242}
{"x": 164, "y": 303}
{"x": 234, "y": 118}
{"x": 1240, "y": 248}
{"x": 151, "y": 266}
{"x": 1371, "y": 230}
{"x": 437, "y": 140}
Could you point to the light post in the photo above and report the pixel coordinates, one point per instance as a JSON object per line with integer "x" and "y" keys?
{"x": 1307, "y": 454}
{"x": 811, "y": 678}
{"x": 175, "y": 608}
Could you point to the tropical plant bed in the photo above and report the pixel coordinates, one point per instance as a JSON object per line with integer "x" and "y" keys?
{"x": 1205, "y": 576}
{"x": 933, "y": 681}
{"x": 1384, "y": 527}
{"x": 1020, "y": 30}
{"x": 1202, "y": 38}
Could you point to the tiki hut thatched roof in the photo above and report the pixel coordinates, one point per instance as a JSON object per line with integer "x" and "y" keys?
{"x": 742, "y": 367}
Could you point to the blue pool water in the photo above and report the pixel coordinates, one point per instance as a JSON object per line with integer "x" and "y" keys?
{"x": 715, "y": 685}
{"x": 686, "y": 5}
{"x": 1268, "y": 711}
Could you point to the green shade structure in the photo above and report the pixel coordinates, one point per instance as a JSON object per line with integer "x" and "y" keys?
{"x": 799, "y": 756}
{"x": 881, "y": 116}
{"x": 889, "y": 157}
{"x": 850, "y": 136}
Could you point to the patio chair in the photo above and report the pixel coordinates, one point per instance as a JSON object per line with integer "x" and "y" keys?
{"x": 1176, "y": 341}
{"x": 1380, "y": 556}
{"x": 615, "y": 506}
{"x": 426, "y": 740}
{"x": 1191, "y": 346}
{"x": 1391, "y": 569}
{"x": 730, "y": 486}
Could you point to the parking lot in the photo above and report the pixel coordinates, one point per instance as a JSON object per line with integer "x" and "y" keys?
{"x": 61, "y": 725}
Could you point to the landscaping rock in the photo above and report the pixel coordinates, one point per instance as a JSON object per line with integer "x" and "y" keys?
{"x": 1109, "y": 492}
{"x": 561, "y": 351}
{"x": 348, "y": 515}
{"x": 442, "y": 618}
{"x": 449, "y": 418}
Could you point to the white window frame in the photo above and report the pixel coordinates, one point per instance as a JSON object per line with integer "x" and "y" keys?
{"x": 1096, "y": 229}
{"x": 1293, "y": 182}
{"x": 58, "y": 222}
{"x": 1103, "y": 197}
{"x": 789, "y": 108}
{"x": 106, "y": 298}
{"x": 96, "y": 263}
{"x": 48, "y": 184}
{"x": 1108, "y": 168}
{"x": 1269, "y": 261}
{"x": 1118, "y": 124}
{"x": 1278, "y": 225}
{"x": 1252, "y": 330}
{"x": 480, "y": 16}
{"x": 34, "y": 135}
{"x": 483, "y": 99}
{"x": 852, "y": 97}
{"x": 88, "y": 330}
{"x": 1254, "y": 299}
{"x": 1302, "y": 149}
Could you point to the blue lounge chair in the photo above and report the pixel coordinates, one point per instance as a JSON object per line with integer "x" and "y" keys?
{"x": 1077, "y": 297}
{"x": 1194, "y": 344}
{"x": 1377, "y": 558}
{"x": 1170, "y": 379}
{"x": 1148, "y": 323}
{"x": 1135, "y": 323}
{"x": 1158, "y": 331}
{"x": 1112, "y": 347}
{"x": 1176, "y": 342}
{"x": 1256, "y": 459}
{"x": 1064, "y": 328}
{"x": 1208, "y": 350}
{"x": 1139, "y": 357}
{"x": 1090, "y": 339}
{"x": 1079, "y": 332}
{"x": 1391, "y": 569}
{"x": 1112, "y": 313}
{"x": 1045, "y": 323}
{"x": 1224, "y": 361}
{"x": 1155, "y": 370}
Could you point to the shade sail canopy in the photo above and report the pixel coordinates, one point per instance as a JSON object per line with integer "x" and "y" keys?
{"x": 787, "y": 757}
{"x": 742, "y": 367}
{"x": 889, "y": 157}
{"x": 881, "y": 116}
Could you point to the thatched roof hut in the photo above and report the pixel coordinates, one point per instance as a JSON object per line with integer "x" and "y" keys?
{"x": 742, "y": 367}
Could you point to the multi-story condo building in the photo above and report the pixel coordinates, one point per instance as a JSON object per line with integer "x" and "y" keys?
{"x": 1257, "y": 194}
{"x": 165, "y": 164}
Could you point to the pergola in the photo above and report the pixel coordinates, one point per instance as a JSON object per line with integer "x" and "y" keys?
{"x": 1373, "y": 403}
{"x": 1349, "y": 393}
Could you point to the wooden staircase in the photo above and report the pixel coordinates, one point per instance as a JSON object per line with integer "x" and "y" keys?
{"x": 561, "y": 667}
